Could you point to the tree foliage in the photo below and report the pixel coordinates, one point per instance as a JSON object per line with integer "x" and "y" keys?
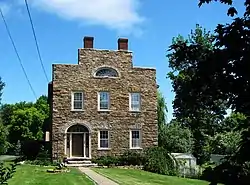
{"x": 193, "y": 109}
{"x": 25, "y": 120}
{"x": 222, "y": 77}
{"x": 176, "y": 139}
{"x": 1, "y": 89}
{"x": 161, "y": 117}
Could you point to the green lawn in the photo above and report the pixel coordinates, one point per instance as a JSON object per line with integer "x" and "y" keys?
{"x": 36, "y": 175}
{"x": 139, "y": 177}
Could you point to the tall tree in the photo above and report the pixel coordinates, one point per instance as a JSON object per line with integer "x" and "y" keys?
{"x": 25, "y": 120}
{"x": 1, "y": 89}
{"x": 4, "y": 144}
{"x": 161, "y": 115}
{"x": 230, "y": 63}
{"x": 199, "y": 112}
{"x": 223, "y": 75}
{"x": 176, "y": 139}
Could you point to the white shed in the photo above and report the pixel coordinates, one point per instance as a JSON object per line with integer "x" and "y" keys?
{"x": 190, "y": 160}
{"x": 188, "y": 165}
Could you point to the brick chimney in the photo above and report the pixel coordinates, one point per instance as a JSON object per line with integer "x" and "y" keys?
{"x": 122, "y": 44}
{"x": 88, "y": 42}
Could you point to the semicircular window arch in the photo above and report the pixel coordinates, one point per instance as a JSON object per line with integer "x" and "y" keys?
{"x": 106, "y": 72}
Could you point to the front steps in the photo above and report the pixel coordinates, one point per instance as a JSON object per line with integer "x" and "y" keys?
{"x": 77, "y": 162}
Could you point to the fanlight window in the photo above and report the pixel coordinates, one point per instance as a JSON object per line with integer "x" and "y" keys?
{"x": 77, "y": 128}
{"x": 106, "y": 72}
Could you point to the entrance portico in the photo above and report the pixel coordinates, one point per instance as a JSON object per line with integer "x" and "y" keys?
{"x": 77, "y": 142}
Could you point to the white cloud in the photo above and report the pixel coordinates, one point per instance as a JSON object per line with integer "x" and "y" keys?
{"x": 121, "y": 15}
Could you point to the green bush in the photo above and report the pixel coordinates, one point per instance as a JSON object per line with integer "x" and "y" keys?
{"x": 132, "y": 158}
{"x": 158, "y": 160}
{"x": 7, "y": 171}
{"x": 40, "y": 162}
{"x": 106, "y": 161}
{"x": 42, "y": 159}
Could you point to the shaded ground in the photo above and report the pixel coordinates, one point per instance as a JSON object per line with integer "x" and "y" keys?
{"x": 7, "y": 157}
{"x": 139, "y": 177}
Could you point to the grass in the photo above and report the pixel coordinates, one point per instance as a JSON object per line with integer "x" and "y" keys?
{"x": 139, "y": 177}
{"x": 36, "y": 175}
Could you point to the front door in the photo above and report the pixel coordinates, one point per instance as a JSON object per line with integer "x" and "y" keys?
{"x": 77, "y": 145}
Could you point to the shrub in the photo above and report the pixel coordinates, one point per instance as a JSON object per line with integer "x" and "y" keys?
{"x": 7, "y": 171}
{"x": 158, "y": 160}
{"x": 132, "y": 158}
{"x": 42, "y": 159}
{"x": 106, "y": 161}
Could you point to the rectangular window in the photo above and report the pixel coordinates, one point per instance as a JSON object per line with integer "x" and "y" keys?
{"x": 135, "y": 137}
{"x": 104, "y": 139}
{"x": 135, "y": 102}
{"x": 77, "y": 101}
{"x": 103, "y": 99}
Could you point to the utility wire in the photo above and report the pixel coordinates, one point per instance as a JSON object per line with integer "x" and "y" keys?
{"x": 18, "y": 56}
{"x": 34, "y": 34}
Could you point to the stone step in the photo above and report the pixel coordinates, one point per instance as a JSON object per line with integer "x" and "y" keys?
{"x": 81, "y": 165}
{"x": 79, "y": 162}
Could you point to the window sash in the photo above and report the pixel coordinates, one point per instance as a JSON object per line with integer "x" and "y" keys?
{"x": 135, "y": 101}
{"x": 77, "y": 101}
{"x": 135, "y": 139}
{"x": 104, "y": 139}
{"x": 104, "y": 100}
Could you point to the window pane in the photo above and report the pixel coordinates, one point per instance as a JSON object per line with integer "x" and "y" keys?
{"x": 78, "y": 96}
{"x": 104, "y": 143}
{"x": 135, "y": 107}
{"x": 135, "y": 101}
{"x": 107, "y": 72}
{"x": 104, "y": 105}
{"x": 135, "y": 142}
{"x": 136, "y": 139}
{"x": 135, "y": 134}
{"x": 77, "y": 105}
{"x": 135, "y": 97}
{"x": 104, "y": 100}
{"x": 104, "y": 134}
{"x": 104, "y": 139}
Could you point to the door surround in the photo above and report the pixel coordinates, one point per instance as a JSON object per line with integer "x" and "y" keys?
{"x": 77, "y": 129}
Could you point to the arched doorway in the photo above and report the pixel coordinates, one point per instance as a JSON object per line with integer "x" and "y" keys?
{"x": 77, "y": 142}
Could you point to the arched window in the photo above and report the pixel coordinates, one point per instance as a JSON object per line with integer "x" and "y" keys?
{"x": 77, "y": 128}
{"x": 106, "y": 72}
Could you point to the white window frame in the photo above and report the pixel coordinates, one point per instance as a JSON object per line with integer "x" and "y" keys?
{"x": 130, "y": 102}
{"x": 72, "y": 101}
{"x": 130, "y": 139}
{"x": 99, "y": 101}
{"x": 99, "y": 140}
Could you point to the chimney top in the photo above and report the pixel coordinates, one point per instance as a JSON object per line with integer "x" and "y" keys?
{"x": 122, "y": 44}
{"x": 88, "y": 42}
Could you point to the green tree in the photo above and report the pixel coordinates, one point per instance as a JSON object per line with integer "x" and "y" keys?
{"x": 194, "y": 110}
{"x": 26, "y": 124}
{"x": 2, "y": 84}
{"x": 230, "y": 64}
{"x": 177, "y": 139}
{"x": 232, "y": 122}
{"x": 161, "y": 115}
{"x": 222, "y": 74}
{"x": 4, "y": 144}
{"x": 25, "y": 120}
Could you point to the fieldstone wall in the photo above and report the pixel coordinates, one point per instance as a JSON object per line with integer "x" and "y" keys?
{"x": 119, "y": 120}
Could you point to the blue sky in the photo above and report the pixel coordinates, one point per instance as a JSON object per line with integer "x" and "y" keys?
{"x": 61, "y": 25}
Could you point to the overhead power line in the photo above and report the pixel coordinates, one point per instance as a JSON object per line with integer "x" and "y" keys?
{"x": 18, "y": 56}
{"x": 34, "y": 34}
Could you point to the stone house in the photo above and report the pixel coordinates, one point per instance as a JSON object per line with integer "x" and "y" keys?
{"x": 103, "y": 105}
